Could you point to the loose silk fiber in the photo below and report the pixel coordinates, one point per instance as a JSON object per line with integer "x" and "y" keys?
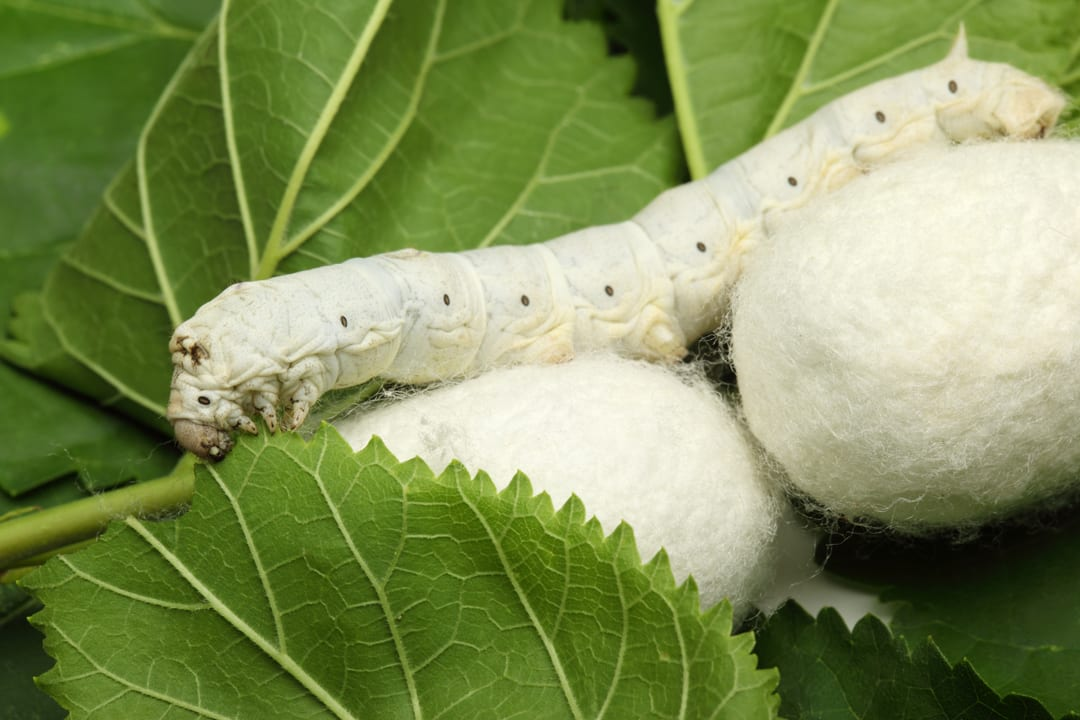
{"x": 908, "y": 348}
{"x": 636, "y": 442}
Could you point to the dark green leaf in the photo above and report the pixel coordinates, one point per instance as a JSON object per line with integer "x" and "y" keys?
{"x": 22, "y": 658}
{"x": 77, "y": 80}
{"x": 32, "y": 345}
{"x": 632, "y": 27}
{"x": 1005, "y": 603}
{"x": 354, "y": 586}
{"x": 827, "y": 671}
{"x": 66, "y": 124}
{"x": 54, "y": 434}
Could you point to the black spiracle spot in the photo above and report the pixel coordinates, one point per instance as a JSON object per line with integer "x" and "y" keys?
{"x": 609, "y": 290}
{"x": 445, "y": 299}
{"x": 792, "y": 181}
{"x": 525, "y": 300}
{"x": 344, "y": 321}
{"x": 203, "y": 400}
{"x": 953, "y": 87}
{"x": 701, "y": 247}
{"x": 879, "y": 116}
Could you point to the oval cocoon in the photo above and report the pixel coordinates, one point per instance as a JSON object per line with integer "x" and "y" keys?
{"x": 909, "y": 348}
{"x": 643, "y": 443}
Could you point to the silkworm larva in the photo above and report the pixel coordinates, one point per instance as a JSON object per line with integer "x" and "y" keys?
{"x": 644, "y": 287}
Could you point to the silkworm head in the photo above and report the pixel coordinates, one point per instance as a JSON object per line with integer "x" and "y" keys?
{"x": 204, "y": 441}
{"x": 977, "y": 99}
{"x": 202, "y": 414}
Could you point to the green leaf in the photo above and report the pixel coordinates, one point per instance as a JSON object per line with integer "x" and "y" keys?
{"x": 33, "y": 346}
{"x": 55, "y": 433}
{"x": 330, "y": 125}
{"x": 103, "y": 449}
{"x": 61, "y": 137}
{"x": 1005, "y": 604}
{"x": 59, "y": 56}
{"x": 827, "y": 671}
{"x": 52, "y": 433}
{"x": 500, "y": 124}
{"x": 66, "y": 125}
{"x": 524, "y": 133}
{"x": 349, "y": 585}
{"x": 77, "y": 80}
{"x": 779, "y": 61}
{"x": 438, "y": 125}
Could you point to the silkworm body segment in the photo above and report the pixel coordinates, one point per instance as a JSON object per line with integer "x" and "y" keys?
{"x": 645, "y": 287}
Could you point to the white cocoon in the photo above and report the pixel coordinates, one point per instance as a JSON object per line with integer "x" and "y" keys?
{"x": 908, "y": 348}
{"x": 636, "y": 442}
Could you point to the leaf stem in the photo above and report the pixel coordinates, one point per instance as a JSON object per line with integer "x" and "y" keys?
{"x": 35, "y": 535}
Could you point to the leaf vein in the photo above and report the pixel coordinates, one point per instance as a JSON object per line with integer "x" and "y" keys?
{"x": 153, "y": 244}
{"x": 796, "y": 88}
{"x": 138, "y": 597}
{"x": 394, "y": 137}
{"x": 376, "y": 584}
{"x": 287, "y": 663}
{"x": 127, "y": 686}
{"x": 549, "y": 645}
{"x": 273, "y": 251}
{"x": 523, "y": 196}
{"x": 110, "y": 281}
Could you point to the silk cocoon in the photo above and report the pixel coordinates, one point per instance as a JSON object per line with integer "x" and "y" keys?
{"x": 908, "y": 348}
{"x": 656, "y": 447}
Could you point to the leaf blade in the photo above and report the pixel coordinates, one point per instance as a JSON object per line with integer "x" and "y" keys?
{"x": 353, "y": 584}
